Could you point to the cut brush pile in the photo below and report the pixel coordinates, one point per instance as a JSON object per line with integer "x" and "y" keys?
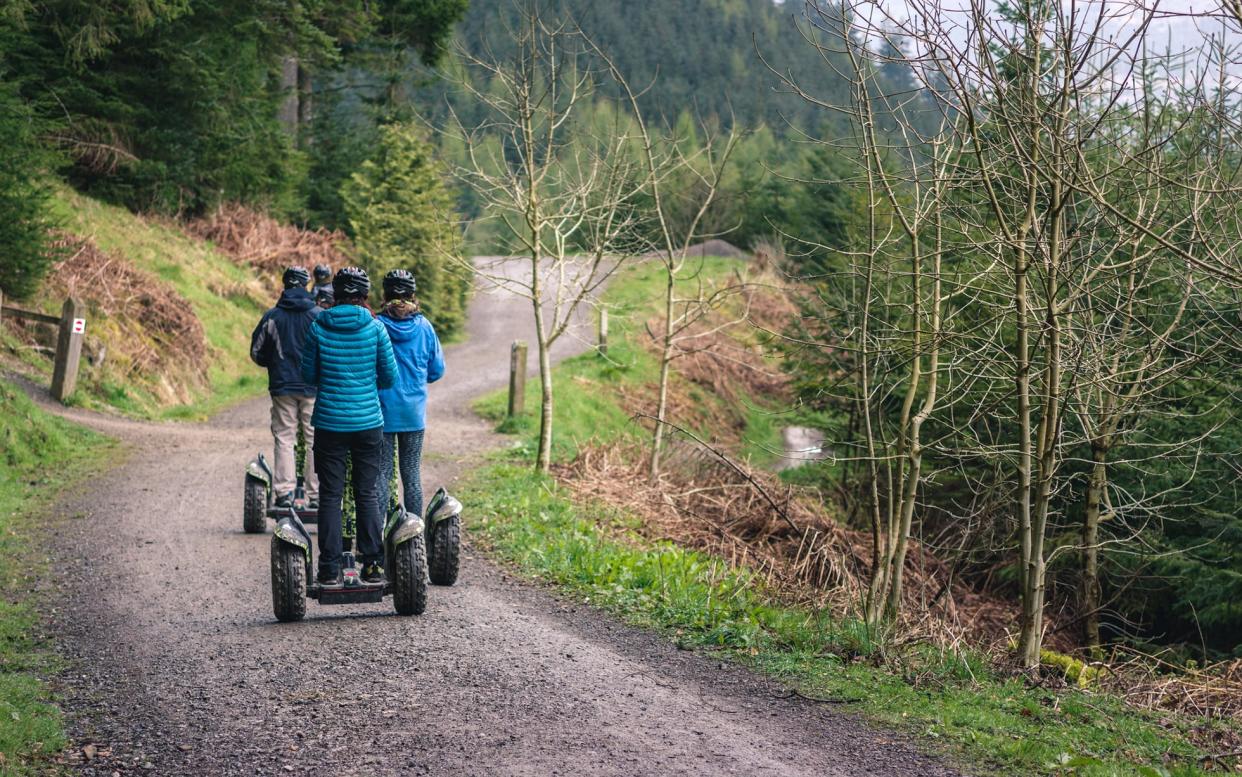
{"x": 153, "y": 333}
{"x": 1215, "y": 691}
{"x": 750, "y": 518}
{"x": 726, "y": 355}
{"x": 264, "y": 244}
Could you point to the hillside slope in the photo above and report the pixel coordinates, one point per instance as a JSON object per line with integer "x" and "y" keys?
{"x": 168, "y": 316}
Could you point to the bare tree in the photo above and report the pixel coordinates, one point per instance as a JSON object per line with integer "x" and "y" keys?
{"x": 676, "y": 229}
{"x": 1046, "y": 98}
{"x": 896, "y": 282}
{"x": 565, "y": 195}
{"x": 1144, "y": 321}
{"x": 1042, "y": 182}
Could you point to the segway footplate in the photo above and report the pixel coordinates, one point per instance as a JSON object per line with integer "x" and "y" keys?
{"x": 356, "y": 595}
{"x": 307, "y": 516}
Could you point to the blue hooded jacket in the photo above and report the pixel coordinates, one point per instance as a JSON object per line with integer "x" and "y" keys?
{"x": 420, "y": 360}
{"x": 349, "y": 358}
{"x": 278, "y": 341}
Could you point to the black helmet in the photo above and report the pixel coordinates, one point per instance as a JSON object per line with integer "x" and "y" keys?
{"x": 322, "y": 273}
{"x": 351, "y": 282}
{"x": 296, "y": 277}
{"x": 325, "y": 295}
{"x": 399, "y": 283}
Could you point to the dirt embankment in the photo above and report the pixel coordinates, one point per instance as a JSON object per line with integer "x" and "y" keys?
{"x": 168, "y": 316}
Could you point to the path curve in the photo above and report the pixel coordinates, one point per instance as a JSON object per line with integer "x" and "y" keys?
{"x": 177, "y": 667}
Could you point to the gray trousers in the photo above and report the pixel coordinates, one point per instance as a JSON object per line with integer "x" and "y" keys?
{"x": 288, "y": 412}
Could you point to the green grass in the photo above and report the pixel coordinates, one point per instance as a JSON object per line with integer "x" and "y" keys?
{"x": 585, "y": 388}
{"x": 39, "y": 454}
{"x": 761, "y": 440}
{"x": 951, "y": 702}
{"x": 206, "y": 278}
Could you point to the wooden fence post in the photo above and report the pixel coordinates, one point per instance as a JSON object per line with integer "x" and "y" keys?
{"x": 517, "y": 378}
{"x": 68, "y": 349}
{"x": 603, "y": 331}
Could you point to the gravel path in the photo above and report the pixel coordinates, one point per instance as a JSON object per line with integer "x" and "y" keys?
{"x": 177, "y": 667}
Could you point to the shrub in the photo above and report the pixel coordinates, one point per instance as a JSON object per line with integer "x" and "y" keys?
{"x": 402, "y": 216}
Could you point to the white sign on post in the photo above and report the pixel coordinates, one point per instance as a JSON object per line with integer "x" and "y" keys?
{"x": 79, "y": 326}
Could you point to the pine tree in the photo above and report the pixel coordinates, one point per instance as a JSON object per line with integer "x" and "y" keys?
{"x": 25, "y": 250}
{"x": 173, "y": 105}
{"x": 402, "y": 216}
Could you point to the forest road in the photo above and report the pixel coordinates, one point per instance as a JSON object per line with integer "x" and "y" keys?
{"x": 176, "y": 665}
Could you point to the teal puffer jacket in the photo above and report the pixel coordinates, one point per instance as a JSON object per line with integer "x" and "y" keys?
{"x": 349, "y": 358}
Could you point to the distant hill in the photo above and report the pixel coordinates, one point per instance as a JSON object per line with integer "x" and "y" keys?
{"x": 701, "y": 55}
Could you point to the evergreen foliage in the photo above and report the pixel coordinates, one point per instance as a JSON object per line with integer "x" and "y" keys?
{"x": 401, "y": 214}
{"x": 706, "y": 57}
{"x": 25, "y": 242}
{"x": 172, "y": 105}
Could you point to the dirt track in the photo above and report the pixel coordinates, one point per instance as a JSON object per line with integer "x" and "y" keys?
{"x": 178, "y": 667}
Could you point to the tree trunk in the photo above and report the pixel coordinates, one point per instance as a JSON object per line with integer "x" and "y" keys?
{"x": 543, "y": 461}
{"x": 915, "y": 440}
{"x": 905, "y": 518}
{"x": 306, "y": 88}
{"x": 1091, "y": 546}
{"x": 1031, "y": 568}
{"x": 878, "y": 579}
{"x": 288, "y": 113}
{"x": 666, "y": 359}
{"x": 543, "y": 457}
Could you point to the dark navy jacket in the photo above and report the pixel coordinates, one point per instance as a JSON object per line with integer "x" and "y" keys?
{"x": 279, "y": 339}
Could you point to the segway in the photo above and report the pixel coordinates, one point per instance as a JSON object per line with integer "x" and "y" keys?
{"x": 405, "y": 564}
{"x": 405, "y": 538}
{"x": 258, "y": 505}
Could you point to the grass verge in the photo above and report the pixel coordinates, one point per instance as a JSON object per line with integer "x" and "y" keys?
{"x": 587, "y": 388}
{"x": 953, "y": 702}
{"x": 39, "y": 454}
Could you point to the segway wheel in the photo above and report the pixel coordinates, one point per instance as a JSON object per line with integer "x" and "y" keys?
{"x": 254, "y": 517}
{"x": 409, "y": 577}
{"x": 444, "y": 551}
{"x": 288, "y": 581}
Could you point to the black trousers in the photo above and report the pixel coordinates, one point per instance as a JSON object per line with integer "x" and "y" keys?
{"x": 332, "y": 450}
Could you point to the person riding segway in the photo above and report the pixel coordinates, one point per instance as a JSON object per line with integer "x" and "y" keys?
{"x": 420, "y": 361}
{"x": 323, "y": 280}
{"x": 324, "y": 297}
{"x": 348, "y": 358}
{"x": 276, "y": 344}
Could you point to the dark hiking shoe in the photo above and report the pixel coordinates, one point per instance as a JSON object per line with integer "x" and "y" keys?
{"x": 285, "y": 500}
{"x": 312, "y": 504}
{"x": 331, "y": 579}
{"x": 372, "y": 574}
